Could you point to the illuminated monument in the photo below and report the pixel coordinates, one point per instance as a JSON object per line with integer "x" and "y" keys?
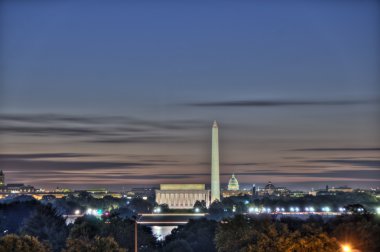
{"x": 233, "y": 189}
{"x": 215, "y": 181}
{"x": 184, "y": 196}
{"x": 233, "y": 184}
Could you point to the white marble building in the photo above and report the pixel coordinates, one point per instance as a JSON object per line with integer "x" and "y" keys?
{"x": 182, "y": 196}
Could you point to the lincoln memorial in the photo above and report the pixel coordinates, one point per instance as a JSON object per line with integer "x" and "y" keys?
{"x": 182, "y": 196}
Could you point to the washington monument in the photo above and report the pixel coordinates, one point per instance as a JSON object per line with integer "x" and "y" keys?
{"x": 215, "y": 183}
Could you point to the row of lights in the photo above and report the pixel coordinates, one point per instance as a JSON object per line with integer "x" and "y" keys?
{"x": 295, "y": 209}
{"x": 96, "y": 212}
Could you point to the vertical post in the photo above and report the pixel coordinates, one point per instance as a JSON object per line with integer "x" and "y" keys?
{"x": 136, "y": 247}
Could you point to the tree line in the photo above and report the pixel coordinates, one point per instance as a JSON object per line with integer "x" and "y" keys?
{"x": 38, "y": 226}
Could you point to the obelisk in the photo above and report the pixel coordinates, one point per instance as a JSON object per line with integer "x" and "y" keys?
{"x": 215, "y": 183}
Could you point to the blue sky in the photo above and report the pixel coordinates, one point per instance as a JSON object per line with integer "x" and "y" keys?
{"x": 128, "y": 81}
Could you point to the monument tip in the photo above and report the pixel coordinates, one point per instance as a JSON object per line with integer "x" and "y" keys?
{"x": 215, "y": 124}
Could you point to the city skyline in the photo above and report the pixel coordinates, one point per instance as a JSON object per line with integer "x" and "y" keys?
{"x": 124, "y": 94}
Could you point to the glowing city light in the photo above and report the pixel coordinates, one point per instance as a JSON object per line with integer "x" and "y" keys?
{"x": 95, "y": 212}
{"x": 346, "y": 248}
{"x": 326, "y": 209}
{"x": 251, "y": 210}
{"x": 77, "y": 212}
{"x": 197, "y": 210}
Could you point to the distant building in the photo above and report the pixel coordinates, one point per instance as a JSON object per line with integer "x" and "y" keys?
{"x": 233, "y": 189}
{"x": 269, "y": 189}
{"x": 182, "y": 196}
{"x": 2, "y": 178}
{"x": 62, "y": 190}
{"x": 297, "y": 194}
{"x": 325, "y": 192}
{"x": 229, "y": 193}
{"x": 14, "y": 188}
{"x": 273, "y": 191}
{"x": 141, "y": 192}
{"x": 253, "y": 190}
{"x": 17, "y": 188}
{"x": 345, "y": 189}
{"x": 233, "y": 184}
{"x": 97, "y": 191}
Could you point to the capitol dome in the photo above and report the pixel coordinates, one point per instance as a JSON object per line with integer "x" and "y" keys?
{"x": 270, "y": 186}
{"x": 233, "y": 184}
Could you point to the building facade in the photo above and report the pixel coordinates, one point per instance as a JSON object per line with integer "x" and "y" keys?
{"x": 17, "y": 188}
{"x": 230, "y": 193}
{"x": 233, "y": 184}
{"x": 182, "y": 196}
{"x": 272, "y": 191}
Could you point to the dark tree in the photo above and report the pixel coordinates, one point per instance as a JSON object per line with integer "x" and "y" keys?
{"x": 123, "y": 212}
{"x": 14, "y": 243}
{"x": 263, "y": 234}
{"x": 123, "y": 232}
{"x": 47, "y": 226}
{"x": 98, "y": 244}
{"x": 216, "y": 210}
{"x": 14, "y": 214}
{"x": 201, "y": 205}
{"x": 362, "y": 231}
{"x": 199, "y": 234}
{"x": 86, "y": 228}
{"x": 178, "y": 245}
{"x": 139, "y": 205}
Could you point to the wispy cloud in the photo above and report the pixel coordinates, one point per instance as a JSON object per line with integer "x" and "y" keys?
{"x": 352, "y": 162}
{"x": 340, "y": 149}
{"x": 280, "y": 103}
{"x": 96, "y": 129}
{"x": 41, "y": 156}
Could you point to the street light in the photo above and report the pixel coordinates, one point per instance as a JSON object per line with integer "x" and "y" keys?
{"x": 346, "y": 248}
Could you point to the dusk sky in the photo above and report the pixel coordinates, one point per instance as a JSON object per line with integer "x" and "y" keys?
{"x": 124, "y": 93}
